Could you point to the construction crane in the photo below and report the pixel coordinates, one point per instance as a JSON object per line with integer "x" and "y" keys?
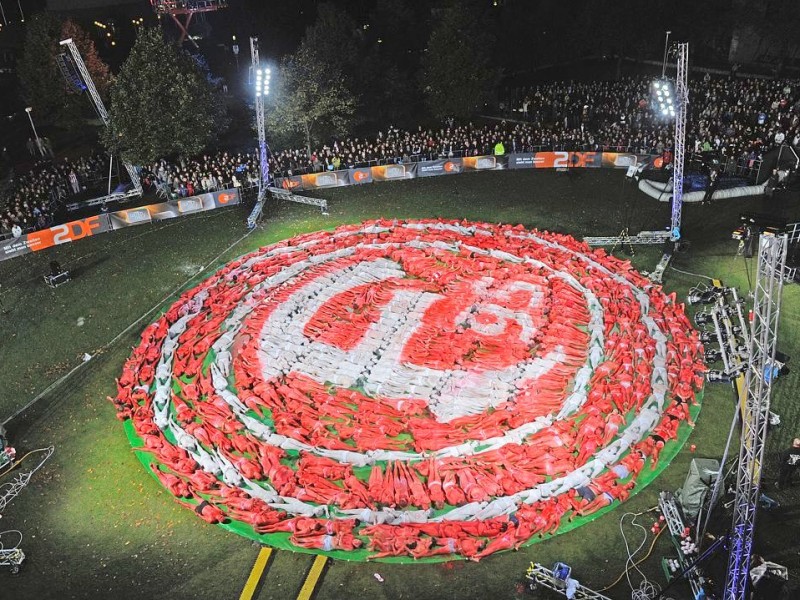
{"x": 186, "y": 9}
{"x": 755, "y": 409}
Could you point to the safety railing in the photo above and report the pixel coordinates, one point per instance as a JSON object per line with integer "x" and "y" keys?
{"x": 438, "y": 154}
{"x": 745, "y": 167}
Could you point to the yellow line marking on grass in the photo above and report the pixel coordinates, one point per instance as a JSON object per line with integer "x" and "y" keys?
{"x": 255, "y": 575}
{"x": 313, "y": 578}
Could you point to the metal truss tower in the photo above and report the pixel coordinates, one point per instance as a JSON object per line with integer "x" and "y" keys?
{"x": 755, "y": 409}
{"x": 97, "y": 101}
{"x": 187, "y": 9}
{"x": 263, "y": 163}
{"x": 682, "y": 101}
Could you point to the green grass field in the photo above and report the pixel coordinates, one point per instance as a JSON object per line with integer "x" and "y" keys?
{"x": 97, "y": 525}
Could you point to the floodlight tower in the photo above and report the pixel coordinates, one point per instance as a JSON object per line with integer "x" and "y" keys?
{"x": 755, "y": 409}
{"x": 186, "y": 9}
{"x": 682, "y": 110}
{"x": 261, "y": 76}
{"x": 97, "y": 101}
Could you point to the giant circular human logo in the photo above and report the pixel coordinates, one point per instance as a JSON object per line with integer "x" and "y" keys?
{"x": 412, "y": 389}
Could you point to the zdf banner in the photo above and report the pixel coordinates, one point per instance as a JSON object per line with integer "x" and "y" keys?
{"x": 54, "y": 236}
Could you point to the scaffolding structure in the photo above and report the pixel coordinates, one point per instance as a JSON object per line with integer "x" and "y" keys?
{"x": 755, "y": 409}
{"x": 263, "y": 158}
{"x": 674, "y": 233}
{"x": 263, "y": 162}
{"x": 186, "y": 9}
{"x": 681, "y": 114}
{"x": 100, "y": 107}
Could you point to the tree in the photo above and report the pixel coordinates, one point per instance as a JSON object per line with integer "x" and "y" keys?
{"x": 457, "y": 76}
{"x": 99, "y": 71}
{"x": 332, "y": 38}
{"x": 42, "y": 85}
{"x": 311, "y": 99}
{"x": 394, "y": 39}
{"x": 161, "y": 104}
{"x": 778, "y": 29}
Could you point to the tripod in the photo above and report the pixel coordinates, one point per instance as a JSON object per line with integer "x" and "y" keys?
{"x": 626, "y": 217}
{"x": 622, "y": 239}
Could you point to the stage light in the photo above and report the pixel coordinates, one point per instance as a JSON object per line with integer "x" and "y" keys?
{"x": 263, "y": 77}
{"x": 661, "y": 102}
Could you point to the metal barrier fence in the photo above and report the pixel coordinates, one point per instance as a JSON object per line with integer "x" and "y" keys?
{"x": 748, "y": 168}
{"x": 443, "y": 155}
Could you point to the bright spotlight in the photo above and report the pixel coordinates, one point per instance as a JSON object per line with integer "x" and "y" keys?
{"x": 262, "y": 82}
{"x": 661, "y": 101}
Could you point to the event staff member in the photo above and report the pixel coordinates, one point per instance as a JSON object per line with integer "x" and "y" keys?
{"x": 790, "y": 460}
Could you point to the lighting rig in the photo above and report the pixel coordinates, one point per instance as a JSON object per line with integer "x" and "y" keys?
{"x": 752, "y": 363}
{"x": 722, "y": 323}
{"x": 669, "y": 101}
{"x": 755, "y": 410}
{"x": 663, "y": 103}
{"x": 260, "y": 76}
{"x": 77, "y": 75}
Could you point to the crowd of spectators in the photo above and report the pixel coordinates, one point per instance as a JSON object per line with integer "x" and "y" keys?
{"x": 31, "y": 199}
{"x": 207, "y": 173}
{"x": 741, "y": 118}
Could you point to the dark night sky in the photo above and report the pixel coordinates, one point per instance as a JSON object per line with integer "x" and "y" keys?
{"x": 67, "y": 5}
{"x": 280, "y": 23}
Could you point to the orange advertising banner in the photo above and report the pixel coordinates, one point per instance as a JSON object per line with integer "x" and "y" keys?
{"x": 54, "y": 236}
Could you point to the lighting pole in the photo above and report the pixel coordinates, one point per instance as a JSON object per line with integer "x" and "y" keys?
{"x": 262, "y": 77}
{"x": 681, "y": 116}
{"x": 29, "y": 109}
{"x": 664, "y": 64}
{"x": 235, "y": 49}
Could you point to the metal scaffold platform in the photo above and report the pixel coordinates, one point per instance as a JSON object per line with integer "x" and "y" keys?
{"x": 755, "y": 410}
